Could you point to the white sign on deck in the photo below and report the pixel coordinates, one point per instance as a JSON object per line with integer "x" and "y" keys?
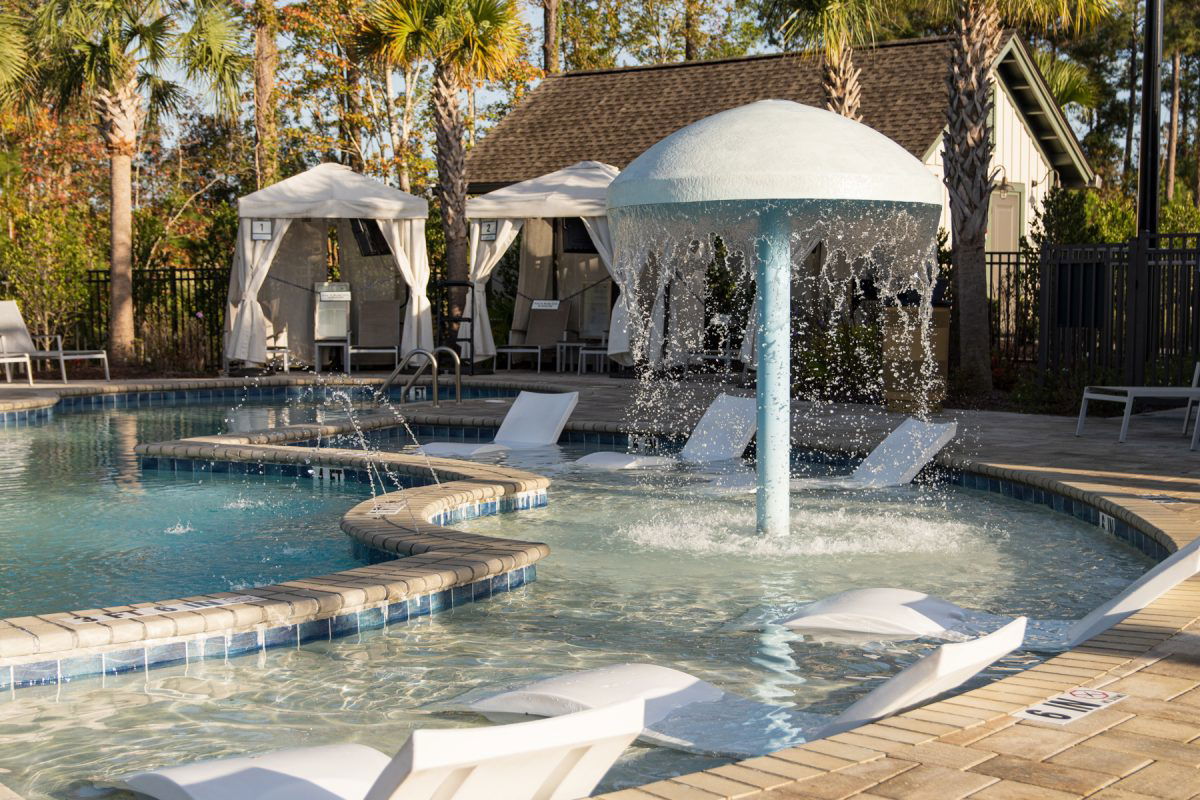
{"x": 1068, "y": 707}
{"x": 163, "y": 608}
{"x": 544, "y": 305}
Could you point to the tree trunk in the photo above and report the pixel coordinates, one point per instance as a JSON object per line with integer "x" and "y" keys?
{"x": 691, "y": 30}
{"x": 394, "y": 140}
{"x": 406, "y": 126}
{"x": 119, "y": 117}
{"x": 1132, "y": 112}
{"x": 266, "y": 61}
{"x": 451, "y": 189}
{"x": 550, "y": 36}
{"x": 1173, "y": 127}
{"x": 843, "y": 93}
{"x": 967, "y": 157}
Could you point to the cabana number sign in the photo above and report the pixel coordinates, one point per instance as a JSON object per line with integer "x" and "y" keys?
{"x": 260, "y": 230}
{"x": 487, "y": 230}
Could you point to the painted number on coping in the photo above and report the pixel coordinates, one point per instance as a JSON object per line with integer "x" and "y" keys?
{"x": 1073, "y": 705}
{"x": 163, "y": 608}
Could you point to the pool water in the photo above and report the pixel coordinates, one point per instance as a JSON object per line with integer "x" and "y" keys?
{"x": 644, "y": 568}
{"x": 82, "y": 527}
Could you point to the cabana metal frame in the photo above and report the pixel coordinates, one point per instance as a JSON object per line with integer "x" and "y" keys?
{"x": 580, "y": 190}
{"x": 325, "y": 192}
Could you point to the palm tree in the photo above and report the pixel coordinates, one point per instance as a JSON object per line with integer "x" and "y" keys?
{"x": 469, "y": 42}
{"x": 833, "y": 28}
{"x": 116, "y": 55}
{"x": 1069, "y": 81}
{"x": 399, "y": 34}
{"x": 967, "y": 154}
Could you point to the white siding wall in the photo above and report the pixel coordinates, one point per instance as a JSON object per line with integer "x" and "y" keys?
{"x": 1017, "y": 151}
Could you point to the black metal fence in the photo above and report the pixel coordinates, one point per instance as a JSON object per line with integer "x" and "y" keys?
{"x": 1127, "y": 312}
{"x": 177, "y": 313}
{"x": 1012, "y": 281}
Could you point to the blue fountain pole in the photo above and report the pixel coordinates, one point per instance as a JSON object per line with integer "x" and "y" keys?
{"x": 774, "y": 371}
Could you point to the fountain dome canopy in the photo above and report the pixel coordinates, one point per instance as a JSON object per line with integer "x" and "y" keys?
{"x": 774, "y": 150}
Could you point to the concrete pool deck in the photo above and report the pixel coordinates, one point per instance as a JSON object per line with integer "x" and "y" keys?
{"x": 967, "y": 745}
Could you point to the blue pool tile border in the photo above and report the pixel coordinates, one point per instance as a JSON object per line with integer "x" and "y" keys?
{"x": 70, "y": 403}
{"x": 203, "y": 647}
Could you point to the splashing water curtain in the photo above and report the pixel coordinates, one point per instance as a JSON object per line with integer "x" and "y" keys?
{"x": 779, "y": 178}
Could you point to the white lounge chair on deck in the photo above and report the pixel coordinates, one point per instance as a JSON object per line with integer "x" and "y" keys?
{"x": 1127, "y": 395}
{"x": 686, "y": 713}
{"x": 535, "y": 420}
{"x": 17, "y": 344}
{"x": 895, "y": 461}
{"x": 722, "y": 433}
{"x": 902, "y": 614}
{"x": 556, "y": 759}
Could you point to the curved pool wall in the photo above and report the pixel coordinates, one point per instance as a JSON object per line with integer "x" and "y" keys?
{"x": 418, "y": 565}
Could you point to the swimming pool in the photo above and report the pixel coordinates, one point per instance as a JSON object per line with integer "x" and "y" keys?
{"x": 82, "y": 526}
{"x": 644, "y": 567}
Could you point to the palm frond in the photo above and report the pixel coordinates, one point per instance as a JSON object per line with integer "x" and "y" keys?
{"x": 211, "y": 51}
{"x": 399, "y": 32}
{"x": 1068, "y": 80}
{"x": 480, "y": 39}
{"x": 1055, "y": 15}
{"x": 826, "y": 26}
{"x": 14, "y": 56}
{"x": 164, "y": 97}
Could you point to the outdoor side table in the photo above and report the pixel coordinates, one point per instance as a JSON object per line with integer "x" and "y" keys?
{"x": 564, "y": 351}
{"x": 334, "y": 344}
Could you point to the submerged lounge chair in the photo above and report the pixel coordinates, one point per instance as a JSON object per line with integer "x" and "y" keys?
{"x": 535, "y": 420}
{"x": 554, "y": 759}
{"x": 895, "y": 461}
{"x": 902, "y": 614}
{"x": 686, "y": 713}
{"x": 722, "y": 433}
{"x": 16, "y": 343}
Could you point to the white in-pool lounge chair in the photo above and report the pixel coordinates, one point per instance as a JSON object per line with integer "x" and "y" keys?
{"x": 535, "y": 420}
{"x": 895, "y": 461}
{"x": 722, "y": 433}
{"x": 1128, "y": 395}
{"x": 555, "y": 759}
{"x": 16, "y": 342}
{"x": 902, "y": 614}
{"x": 686, "y": 713}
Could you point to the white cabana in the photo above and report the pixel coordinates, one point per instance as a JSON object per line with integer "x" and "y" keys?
{"x": 282, "y": 211}
{"x": 580, "y": 190}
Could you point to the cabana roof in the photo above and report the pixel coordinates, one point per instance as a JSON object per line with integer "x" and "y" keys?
{"x": 579, "y": 190}
{"x": 332, "y": 191}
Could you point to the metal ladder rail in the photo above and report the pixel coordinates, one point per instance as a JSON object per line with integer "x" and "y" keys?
{"x": 430, "y": 361}
{"x": 457, "y": 370}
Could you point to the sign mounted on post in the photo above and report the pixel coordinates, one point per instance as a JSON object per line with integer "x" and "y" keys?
{"x": 260, "y": 230}
{"x": 1068, "y": 707}
{"x": 487, "y": 230}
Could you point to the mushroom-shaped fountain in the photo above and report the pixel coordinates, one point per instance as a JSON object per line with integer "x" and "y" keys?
{"x": 782, "y": 177}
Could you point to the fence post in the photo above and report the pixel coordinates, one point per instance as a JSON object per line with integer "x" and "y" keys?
{"x": 1045, "y": 290}
{"x": 1137, "y": 298}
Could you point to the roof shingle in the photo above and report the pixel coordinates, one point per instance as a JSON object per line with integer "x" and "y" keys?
{"x": 614, "y": 115}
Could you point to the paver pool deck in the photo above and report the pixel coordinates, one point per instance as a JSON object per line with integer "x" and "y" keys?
{"x": 968, "y": 744}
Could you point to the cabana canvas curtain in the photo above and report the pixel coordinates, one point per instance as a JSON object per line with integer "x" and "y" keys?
{"x": 484, "y": 258}
{"x": 246, "y": 337}
{"x": 406, "y": 237}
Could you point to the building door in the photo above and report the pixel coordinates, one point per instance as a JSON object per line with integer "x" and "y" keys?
{"x": 1004, "y": 222}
